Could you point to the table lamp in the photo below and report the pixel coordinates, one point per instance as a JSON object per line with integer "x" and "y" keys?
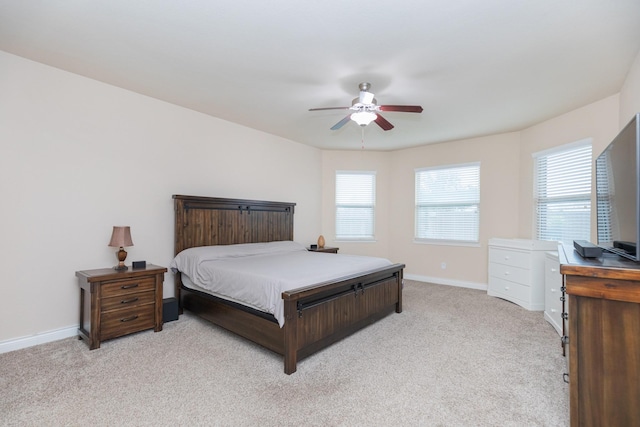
{"x": 121, "y": 237}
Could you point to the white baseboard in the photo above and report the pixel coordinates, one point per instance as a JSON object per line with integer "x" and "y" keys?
{"x": 40, "y": 338}
{"x": 448, "y": 282}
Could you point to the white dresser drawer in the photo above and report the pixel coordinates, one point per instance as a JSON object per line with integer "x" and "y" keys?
{"x": 553, "y": 315}
{"x": 552, "y": 298}
{"x": 510, "y": 291}
{"x": 513, "y": 274}
{"x": 553, "y": 292}
{"x": 510, "y": 257}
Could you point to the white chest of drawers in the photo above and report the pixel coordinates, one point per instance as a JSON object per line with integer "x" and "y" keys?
{"x": 517, "y": 271}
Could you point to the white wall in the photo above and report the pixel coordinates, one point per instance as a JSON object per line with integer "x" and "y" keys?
{"x": 465, "y": 265}
{"x": 630, "y": 93}
{"x": 79, "y": 157}
{"x": 498, "y": 154}
{"x": 362, "y": 160}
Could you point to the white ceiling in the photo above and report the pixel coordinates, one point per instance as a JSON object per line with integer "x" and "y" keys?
{"x": 477, "y": 67}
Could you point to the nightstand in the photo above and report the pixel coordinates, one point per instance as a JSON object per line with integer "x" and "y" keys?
{"x": 325, "y": 249}
{"x": 114, "y": 303}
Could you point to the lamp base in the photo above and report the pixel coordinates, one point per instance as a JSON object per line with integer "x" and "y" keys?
{"x": 122, "y": 255}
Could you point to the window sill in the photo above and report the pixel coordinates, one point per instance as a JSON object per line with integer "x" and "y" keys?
{"x": 446, "y": 243}
{"x": 355, "y": 240}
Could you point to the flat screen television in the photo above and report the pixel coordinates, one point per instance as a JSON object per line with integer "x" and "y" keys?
{"x": 617, "y": 200}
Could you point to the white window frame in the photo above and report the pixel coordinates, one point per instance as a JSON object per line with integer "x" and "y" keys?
{"x": 355, "y": 202}
{"x": 568, "y": 200}
{"x": 460, "y": 230}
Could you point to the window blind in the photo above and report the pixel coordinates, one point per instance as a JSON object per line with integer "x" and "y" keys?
{"x": 607, "y": 218}
{"x": 355, "y": 205}
{"x": 448, "y": 203}
{"x": 562, "y": 194}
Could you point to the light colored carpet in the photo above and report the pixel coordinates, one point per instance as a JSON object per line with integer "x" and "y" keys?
{"x": 453, "y": 357}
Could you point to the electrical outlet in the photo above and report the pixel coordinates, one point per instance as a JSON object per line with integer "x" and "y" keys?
{"x": 443, "y": 265}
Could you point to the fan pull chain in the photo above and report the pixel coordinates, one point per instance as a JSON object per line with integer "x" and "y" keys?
{"x": 362, "y": 128}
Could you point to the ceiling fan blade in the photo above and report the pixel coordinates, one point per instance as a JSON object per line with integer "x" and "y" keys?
{"x": 341, "y": 123}
{"x": 383, "y": 123}
{"x": 329, "y": 108}
{"x": 402, "y": 108}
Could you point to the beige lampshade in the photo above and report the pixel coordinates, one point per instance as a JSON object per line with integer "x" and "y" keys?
{"x": 121, "y": 237}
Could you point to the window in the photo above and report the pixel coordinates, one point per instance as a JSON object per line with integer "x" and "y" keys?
{"x": 562, "y": 193}
{"x": 448, "y": 204}
{"x": 355, "y": 205}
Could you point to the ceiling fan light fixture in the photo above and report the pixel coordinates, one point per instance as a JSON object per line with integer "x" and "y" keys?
{"x": 363, "y": 118}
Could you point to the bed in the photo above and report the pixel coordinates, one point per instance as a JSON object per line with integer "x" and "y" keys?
{"x": 313, "y": 315}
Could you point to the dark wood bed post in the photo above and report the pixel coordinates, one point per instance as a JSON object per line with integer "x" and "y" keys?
{"x": 400, "y": 287}
{"x": 290, "y": 337}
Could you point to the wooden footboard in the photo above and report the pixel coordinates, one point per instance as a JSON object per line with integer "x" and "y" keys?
{"x": 315, "y": 317}
{"x": 321, "y": 315}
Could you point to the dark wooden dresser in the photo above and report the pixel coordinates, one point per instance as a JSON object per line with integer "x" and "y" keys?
{"x": 115, "y": 303}
{"x": 604, "y": 338}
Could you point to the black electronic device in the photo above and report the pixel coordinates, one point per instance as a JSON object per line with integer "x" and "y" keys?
{"x": 169, "y": 309}
{"x": 139, "y": 264}
{"x": 587, "y": 249}
{"x": 628, "y": 247}
{"x": 617, "y": 171}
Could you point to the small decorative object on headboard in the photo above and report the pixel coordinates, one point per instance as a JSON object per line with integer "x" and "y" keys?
{"x": 321, "y": 241}
{"x": 121, "y": 237}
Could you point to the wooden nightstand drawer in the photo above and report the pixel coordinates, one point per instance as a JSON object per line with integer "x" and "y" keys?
{"x": 123, "y": 287}
{"x": 122, "y": 322}
{"x": 127, "y": 300}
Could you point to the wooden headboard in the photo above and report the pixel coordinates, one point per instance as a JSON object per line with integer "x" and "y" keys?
{"x": 209, "y": 221}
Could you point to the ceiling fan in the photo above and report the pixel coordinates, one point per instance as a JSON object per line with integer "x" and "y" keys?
{"x": 365, "y": 110}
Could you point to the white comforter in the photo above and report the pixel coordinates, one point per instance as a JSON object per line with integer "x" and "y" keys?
{"x": 256, "y": 274}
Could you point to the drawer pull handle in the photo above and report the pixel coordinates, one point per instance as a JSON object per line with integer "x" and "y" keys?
{"x": 128, "y": 301}
{"x": 135, "y": 285}
{"x": 129, "y": 319}
{"x": 553, "y": 289}
{"x": 553, "y": 270}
